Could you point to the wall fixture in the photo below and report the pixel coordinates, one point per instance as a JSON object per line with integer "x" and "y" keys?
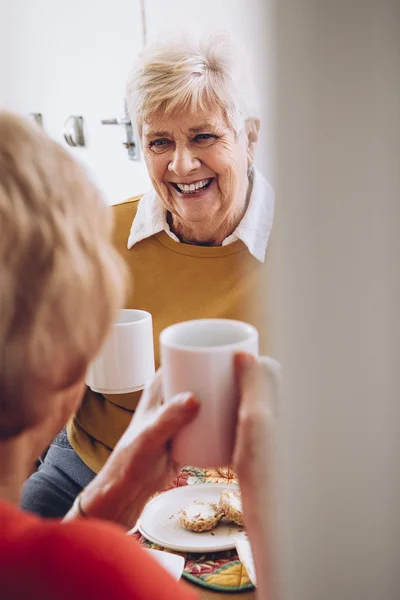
{"x": 73, "y": 131}
{"x": 132, "y": 143}
{"x": 37, "y": 117}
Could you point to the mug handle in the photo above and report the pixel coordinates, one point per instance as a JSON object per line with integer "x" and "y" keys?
{"x": 274, "y": 369}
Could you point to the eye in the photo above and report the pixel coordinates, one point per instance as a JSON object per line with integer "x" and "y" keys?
{"x": 205, "y": 137}
{"x": 159, "y": 145}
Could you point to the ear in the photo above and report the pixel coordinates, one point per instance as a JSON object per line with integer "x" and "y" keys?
{"x": 252, "y": 129}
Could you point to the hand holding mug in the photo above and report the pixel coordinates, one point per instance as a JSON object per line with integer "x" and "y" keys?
{"x": 141, "y": 463}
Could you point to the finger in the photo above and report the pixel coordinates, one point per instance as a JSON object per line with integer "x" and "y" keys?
{"x": 152, "y": 395}
{"x": 244, "y": 365}
{"x": 171, "y": 418}
{"x": 257, "y": 380}
{"x": 254, "y": 433}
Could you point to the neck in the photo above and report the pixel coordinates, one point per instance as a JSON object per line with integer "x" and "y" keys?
{"x": 205, "y": 233}
{"x": 16, "y": 464}
{"x": 201, "y": 234}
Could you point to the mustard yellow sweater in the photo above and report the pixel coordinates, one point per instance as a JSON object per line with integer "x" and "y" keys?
{"x": 174, "y": 282}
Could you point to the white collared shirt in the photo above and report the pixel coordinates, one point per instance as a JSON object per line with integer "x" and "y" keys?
{"x": 253, "y": 230}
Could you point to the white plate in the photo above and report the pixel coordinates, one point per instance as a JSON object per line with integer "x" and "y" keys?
{"x": 173, "y": 563}
{"x": 159, "y": 521}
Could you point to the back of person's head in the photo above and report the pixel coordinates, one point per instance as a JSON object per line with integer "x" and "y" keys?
{"x": 192, "y": 69}
{"x": 61, "y": 281}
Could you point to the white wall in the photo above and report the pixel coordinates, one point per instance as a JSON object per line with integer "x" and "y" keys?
{"x": 3, "y": 51}
{"x": 72, "y": 57}
{"x": 338, "y": 218}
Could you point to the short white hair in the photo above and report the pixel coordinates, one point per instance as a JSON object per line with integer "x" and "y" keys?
{"x": 192, "y": 70}
{"x": 61, "y": 280}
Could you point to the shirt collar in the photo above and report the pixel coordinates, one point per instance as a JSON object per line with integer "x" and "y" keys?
{"x": 253, "y": 230}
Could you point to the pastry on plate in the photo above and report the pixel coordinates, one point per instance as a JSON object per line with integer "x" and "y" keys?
{"x": 230, "y": 504}
{"x": 200, "y": 516}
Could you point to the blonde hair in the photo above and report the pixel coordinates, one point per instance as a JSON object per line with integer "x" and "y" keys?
{"x": 61, "y": 281}
{"x": 191, "y": 70}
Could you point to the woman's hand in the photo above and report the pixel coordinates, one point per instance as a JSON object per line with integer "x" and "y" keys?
{"x": 141, "y": 463}
{"x": 254, "y": 462}
{"x": 144, "y": 447}
{"x": 258, "y": 384}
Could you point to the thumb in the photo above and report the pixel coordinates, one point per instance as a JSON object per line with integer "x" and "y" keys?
{"x": 171, "y": 417}
{"x": 258, "y": 381}
{"x": 152, "y": 395}
{"x": 244, "y": 365}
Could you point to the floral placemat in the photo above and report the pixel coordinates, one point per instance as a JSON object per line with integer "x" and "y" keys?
{"x": 219, "y": 571}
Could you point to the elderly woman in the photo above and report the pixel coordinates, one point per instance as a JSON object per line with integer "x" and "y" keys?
{"x": 195, "y": 245}
{"x": 61, "y": 282}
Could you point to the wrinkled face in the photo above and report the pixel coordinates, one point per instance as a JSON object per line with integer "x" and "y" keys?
{"x": 198, "y": 166}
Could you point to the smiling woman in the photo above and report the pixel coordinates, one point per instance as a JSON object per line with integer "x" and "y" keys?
{"x": 198, "y": 167}
{"x": 195, "y": 245}
{"x": 195, "y": 107}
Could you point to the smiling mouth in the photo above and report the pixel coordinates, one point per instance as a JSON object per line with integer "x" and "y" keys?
{"x": 193, "y": 188}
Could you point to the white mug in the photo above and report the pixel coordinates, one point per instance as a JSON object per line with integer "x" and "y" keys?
{"x": 126, "y": 360}
{"x": 198, "y": 356}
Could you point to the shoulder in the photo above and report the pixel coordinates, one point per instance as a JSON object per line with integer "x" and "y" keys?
{"x": 134, "y": 200}
{"x": 89, "y": 558}
{"x": 127, "y": 208}
{"x": 97, "y": 543}
{"x": 123, "y": 215}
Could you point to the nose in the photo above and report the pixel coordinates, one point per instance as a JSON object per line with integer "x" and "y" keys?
{"x": 183, "y": 161}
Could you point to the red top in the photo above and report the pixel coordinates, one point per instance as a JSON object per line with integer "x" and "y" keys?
{"x": 80, "y": 560}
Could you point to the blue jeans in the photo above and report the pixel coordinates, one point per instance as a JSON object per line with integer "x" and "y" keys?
{"x": 51, "y": 491}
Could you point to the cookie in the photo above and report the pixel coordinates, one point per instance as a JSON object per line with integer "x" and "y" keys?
{"x": 200, "y": 516}
{"x": 230, "y": 504}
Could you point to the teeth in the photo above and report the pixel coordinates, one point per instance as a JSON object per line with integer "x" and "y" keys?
{"x": 190, "y": 188}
